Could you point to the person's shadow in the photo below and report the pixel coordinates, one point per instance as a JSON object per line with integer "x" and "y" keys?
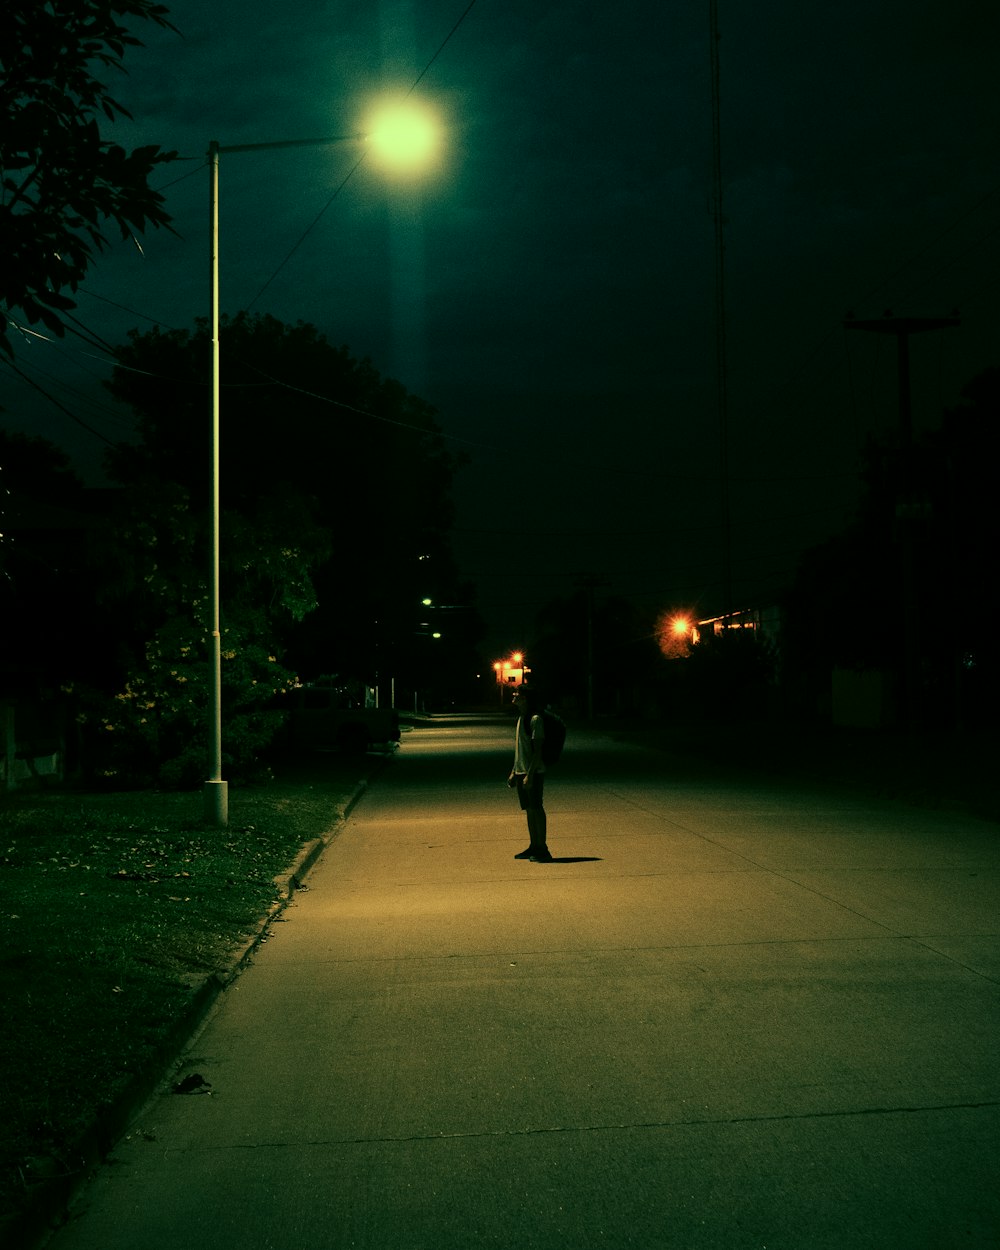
{"x": 576, "y": 859}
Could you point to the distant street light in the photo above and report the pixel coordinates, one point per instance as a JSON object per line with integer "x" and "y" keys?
{"x": 512, "y": 672}
{"x": 397, "y": 146}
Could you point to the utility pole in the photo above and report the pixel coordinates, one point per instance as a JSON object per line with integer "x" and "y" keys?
{"x": 906, "y": 504}
{"x": 721, "y": 367}
{"x": 589, "y": 584}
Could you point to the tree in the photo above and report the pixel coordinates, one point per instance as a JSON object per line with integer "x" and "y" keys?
{"x": 961, "y": 598}
{"x": 846, "y": 609}
{"x": 334, "y": 491}
{"x": 313, "y": 438}
{"x": 36, "y": 469}
{"x": 149, "y": 723}
{"x": 61, "y": 181}
{"x": 43, "y": 537}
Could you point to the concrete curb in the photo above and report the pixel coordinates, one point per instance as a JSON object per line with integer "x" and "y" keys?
{"x": 48, "y": 1201}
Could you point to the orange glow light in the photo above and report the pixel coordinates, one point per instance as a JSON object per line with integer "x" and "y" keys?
{"x": 676, "y": 634}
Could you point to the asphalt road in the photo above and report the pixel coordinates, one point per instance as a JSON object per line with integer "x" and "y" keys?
{"x": 728, "y": 1016}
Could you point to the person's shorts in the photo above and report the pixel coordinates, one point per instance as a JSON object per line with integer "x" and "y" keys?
{"x": 530, "y": 797}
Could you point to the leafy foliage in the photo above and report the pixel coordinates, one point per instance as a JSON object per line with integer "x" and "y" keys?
{"x": 61, "y": 180}
{"x": 318, "y": 570}
{"x": 154, "y": 575}
{"x": 342, "y": 471}
{"x": 153, "y": 729}
{"x": 335, "y": 508}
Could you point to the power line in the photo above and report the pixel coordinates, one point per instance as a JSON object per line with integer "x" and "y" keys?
{"x": 309, "y": 229}
{"x": 52, "y": 400}
{"x": 441, "y": 48}
{"x": 357, "y": 164}
{"x": 133, "y": 312}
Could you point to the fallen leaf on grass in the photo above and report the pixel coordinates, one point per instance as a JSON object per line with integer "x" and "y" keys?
{"x": 193, "y": 1084}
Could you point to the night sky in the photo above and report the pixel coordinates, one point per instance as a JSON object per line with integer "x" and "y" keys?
{"x": 549, "y": 284}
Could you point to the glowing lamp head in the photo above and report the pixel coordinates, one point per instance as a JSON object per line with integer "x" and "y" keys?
{"x": 403, "y": 136}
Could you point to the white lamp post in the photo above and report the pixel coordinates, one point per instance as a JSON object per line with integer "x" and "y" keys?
{"x": 400, "y": 140}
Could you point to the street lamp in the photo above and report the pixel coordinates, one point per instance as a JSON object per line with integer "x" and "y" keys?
{"x": 403, "y": 136}
{"x": 390, "y": 138}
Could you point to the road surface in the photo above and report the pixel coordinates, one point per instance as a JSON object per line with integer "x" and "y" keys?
{"x": 730, "y": 1016}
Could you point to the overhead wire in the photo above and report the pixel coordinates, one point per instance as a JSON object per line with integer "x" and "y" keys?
{"x": 52, "y": 400}
{"x": 90, "y": 337}
{"x": 493, "y": 447}
{"x": 133, "y": 312}
{"x": 97, "y": 341}
{"x": 793, "y": 376}
{"x": 357, "y": 164}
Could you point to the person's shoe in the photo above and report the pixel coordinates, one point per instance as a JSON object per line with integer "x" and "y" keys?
{"x": 544, "y": 856}
{"x": 525, "y": 854}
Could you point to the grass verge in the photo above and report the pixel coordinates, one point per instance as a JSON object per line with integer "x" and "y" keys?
{"x": 115, "y": 910}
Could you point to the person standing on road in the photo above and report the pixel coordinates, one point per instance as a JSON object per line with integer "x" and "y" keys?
{"x": 528, "y": 773}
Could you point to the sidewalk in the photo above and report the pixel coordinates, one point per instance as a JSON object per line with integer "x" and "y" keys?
{"x": 728, "y": 1016}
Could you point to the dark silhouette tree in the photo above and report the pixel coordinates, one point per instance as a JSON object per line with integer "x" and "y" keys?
{"x": 847, "y": 606}
{"x": 61, "y": 181}
{"x": 335, "y": 509}
{"x": 959, "y": 592}
{"x": 150, "y": 569}
{"x": 43, "y": 537}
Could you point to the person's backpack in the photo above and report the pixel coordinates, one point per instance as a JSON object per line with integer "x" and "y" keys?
{"x": 554, "y": 738}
